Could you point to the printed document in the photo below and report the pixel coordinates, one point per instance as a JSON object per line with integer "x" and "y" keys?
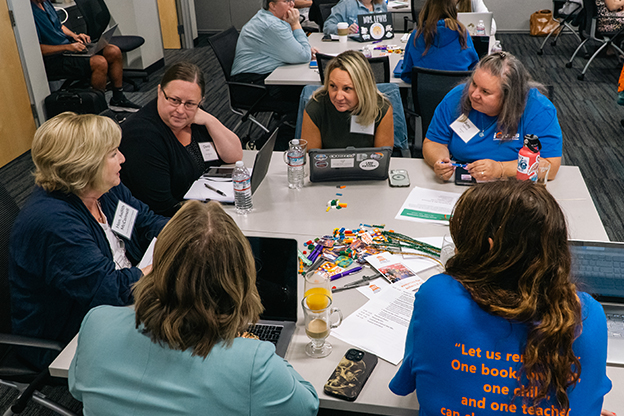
{"x": 427, "y": 205}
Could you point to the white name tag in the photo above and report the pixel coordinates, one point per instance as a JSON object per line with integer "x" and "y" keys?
{"x": 464, "y": 128}
{"x": 125, "y": 216}
{"x": 209, "y": 153}
{"x": 358, "y": 128}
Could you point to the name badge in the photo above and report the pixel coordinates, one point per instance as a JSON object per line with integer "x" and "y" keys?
{"x": 358, "y": 128}
{"x": 464, "y": 128}
{"x": 125, "y": 216}
{"x": 209, "y": 153}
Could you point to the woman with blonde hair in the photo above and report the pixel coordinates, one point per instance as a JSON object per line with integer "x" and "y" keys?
{"x": 348, "y": 110}
{"x": 77, "y": 240}
{"x": 505, "y": 329}
{"x": 440, "y": 42}
{"x": 180, "y": 350}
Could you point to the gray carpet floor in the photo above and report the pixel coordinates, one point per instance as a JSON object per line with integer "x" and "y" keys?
{"x": 588, "y": 114}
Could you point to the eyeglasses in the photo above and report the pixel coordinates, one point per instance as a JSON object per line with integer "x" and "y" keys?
{"x": 176, "y": 102}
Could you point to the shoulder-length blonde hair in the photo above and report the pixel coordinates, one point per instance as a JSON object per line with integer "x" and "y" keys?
{"x": 202, "y": 288}
{"x": 361, "y": 74}
{"x": 434, "y": 11}
{"x": 69, "y": 151}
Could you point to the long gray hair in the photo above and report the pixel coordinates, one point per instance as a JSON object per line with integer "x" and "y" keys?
{"x": 515, "y": 85}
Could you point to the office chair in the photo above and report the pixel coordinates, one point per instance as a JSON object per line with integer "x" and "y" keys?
{"x": 416, "y": 6}
{"x": 391, "y": 91}
{"x": 97, "y": 18}
{"x": 15, "y": 373}
{"x": 320, "y": 11}
{"x": 379, "y": 64}
{"x": 429, "y": 86}
{"x": 566, "y": 21}
{"x": 589, "y": 30}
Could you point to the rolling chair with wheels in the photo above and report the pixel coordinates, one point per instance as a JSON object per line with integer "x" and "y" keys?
{"x": 416, "y": 6}
{"x": 566, "y": 21}
{"x": 320, "y": 11}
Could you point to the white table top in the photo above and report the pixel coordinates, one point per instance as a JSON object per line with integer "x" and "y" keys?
{"x": 300, "y": 214}
{"x": 302, "y": 74}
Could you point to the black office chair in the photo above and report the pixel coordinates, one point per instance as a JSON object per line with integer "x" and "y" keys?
{"x": 566, "y": 20}
{"x": 589, "y": 30}
{"x": 429, "y": 86}
{"x": 97, "y": 18}
{"x": 320, "y": 11}
{"x": 15, "y": 373}
{"x": 417, "y": 6}
{"x": 379, "y": 64}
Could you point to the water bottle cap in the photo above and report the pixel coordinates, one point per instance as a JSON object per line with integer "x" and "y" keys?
{"x": 240, "y": 164}
{"x": 295, "y": 142}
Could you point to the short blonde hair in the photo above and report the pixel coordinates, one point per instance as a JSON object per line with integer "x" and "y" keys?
{"x": 358, "y": 68}
{"x": 202, "y": 288}
{"x": 69, "y": 151}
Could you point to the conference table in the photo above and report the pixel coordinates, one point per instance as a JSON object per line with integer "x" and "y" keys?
{"x": 301, "y": 214}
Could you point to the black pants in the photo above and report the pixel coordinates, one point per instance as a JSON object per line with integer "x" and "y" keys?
{"x": 282, "y": 99}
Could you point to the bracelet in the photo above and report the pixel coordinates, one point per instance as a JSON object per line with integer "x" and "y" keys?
{"x": 502, "y": 170}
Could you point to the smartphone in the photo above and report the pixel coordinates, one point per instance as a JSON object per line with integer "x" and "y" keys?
{"x": 350, "y": 375}
{"x": 399, "y": 178}
{"x": 328, "y": 38}
{"x": 219, "y": 172}
{"x": 462, "y": 177}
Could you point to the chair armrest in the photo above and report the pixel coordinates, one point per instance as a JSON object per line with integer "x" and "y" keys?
{"x": 19, "y": 340}
{"x": 253, "y": 93}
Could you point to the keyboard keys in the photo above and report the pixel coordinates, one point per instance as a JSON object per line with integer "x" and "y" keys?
{"x": 265, "y": 332}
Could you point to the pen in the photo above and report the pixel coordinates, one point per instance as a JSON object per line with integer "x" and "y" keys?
{"x": 346, "y": 273}
{"x": 215, "y": 190}
{"x": 459, "y": 165}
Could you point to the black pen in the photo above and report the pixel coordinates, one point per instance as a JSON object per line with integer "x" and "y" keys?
{"x": 215, "y": 189}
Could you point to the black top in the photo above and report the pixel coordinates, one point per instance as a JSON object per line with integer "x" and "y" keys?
{"x": 159, "y": 170}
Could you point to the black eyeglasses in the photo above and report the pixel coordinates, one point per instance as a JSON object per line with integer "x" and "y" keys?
{"x": 176, "y": 102}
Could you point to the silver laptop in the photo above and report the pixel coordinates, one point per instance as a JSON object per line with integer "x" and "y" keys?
{"x": 93, "y": 48}
{"x": 471, "y": 20}
{"x": 599, "y": 269}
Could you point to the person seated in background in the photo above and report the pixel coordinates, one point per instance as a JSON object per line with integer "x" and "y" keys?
{"x": 55, "y": 39}
{"x": 475, "y": 6}
{"x": 348, "y": 110}
{"x": 171, "y": 141}
{"x": 483, "y": 122}
{"x": 75, "y": 243}
{"x": 440, "y": 42}
{"x": 507, "y": 295}
{"x": 180, "y": 350}
{"x": 272, "y": 38}
{"x": 614, "y": 5}
{"x": 348, "y": 10}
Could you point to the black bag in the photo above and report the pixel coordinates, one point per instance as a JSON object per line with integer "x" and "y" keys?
{"x": 81, "y": 101}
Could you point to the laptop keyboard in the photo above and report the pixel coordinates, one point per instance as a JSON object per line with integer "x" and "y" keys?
{"x": 607, "y": 270}
{"x": 615, "y": 325}
{"x": 265, "y": 332}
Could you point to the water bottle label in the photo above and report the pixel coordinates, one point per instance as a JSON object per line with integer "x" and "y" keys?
{"x": 296, "y": 160}
{"x": 242, "y": 185}
{"x": 523, "y": 164}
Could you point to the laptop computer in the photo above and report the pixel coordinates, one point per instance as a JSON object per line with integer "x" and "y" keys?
{"x": 374, "y": 26}
{"x": 93, "y": 48}
{"x": 204, "y": 188}
{"x": 276, "y": 279}
{"x": 471, "y": 20}
{"x": 350, "y": 164}
{"x": 599, "y": 269}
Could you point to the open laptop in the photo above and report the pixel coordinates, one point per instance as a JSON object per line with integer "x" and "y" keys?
{"x": 374, "y": 26}
{"x": 201, "y": 188}
{"x": 93, "y": 48}
{"x": 350, "y": 164}
{"x": 599, "y": 270}
{"x": 276, "y": 279}
{"x": 471, "y": 20}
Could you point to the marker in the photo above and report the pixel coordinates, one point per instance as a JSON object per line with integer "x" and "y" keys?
{"x": 348, "y": 272}
{"x": 215, "y": 190}
{"x": 459, "y": 165}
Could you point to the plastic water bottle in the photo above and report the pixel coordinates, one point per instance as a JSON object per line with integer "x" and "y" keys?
{"x": 242, "y": 188}
{"x": 295, "y": 165}
{"x": 480, "y": 29}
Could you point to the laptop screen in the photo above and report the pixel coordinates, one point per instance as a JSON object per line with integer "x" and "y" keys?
{"x": 276, "y": 276}
{"x": 599, "y": 268}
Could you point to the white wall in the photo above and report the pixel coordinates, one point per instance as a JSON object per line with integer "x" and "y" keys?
{"x": 513, "y": 15}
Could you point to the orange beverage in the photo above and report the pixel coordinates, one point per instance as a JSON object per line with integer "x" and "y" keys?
{"x": 316, "y": 298}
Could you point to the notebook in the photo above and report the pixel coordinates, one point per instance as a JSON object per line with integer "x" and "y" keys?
{"x": 93, "y": 48}
{"x": 599, "y": 269}
{"x": 471, "y": 20}
{"x": 374, "y": 26}
{"x": 200, "y": 190}
{"x": 276, "y": 279}
{"x": 350, "y": 164}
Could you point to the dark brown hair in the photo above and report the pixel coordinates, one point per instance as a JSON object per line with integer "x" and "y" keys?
{"x": 431, "y": 13}
{"x": 202, "y": 288}
{"x": 523, "y": 276}
{"x": 184, "y": 71}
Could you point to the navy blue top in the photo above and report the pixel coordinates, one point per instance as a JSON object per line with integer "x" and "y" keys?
{"x": 49, "y": 28}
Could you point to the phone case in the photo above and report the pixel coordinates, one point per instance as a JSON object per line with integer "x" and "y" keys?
{"x": 350, "y": 374}
{"x": 462, "y": 177}
{"x": 399, "y": 178}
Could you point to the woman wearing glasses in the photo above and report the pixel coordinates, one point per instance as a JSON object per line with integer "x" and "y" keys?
{"x": 171, "y": 141}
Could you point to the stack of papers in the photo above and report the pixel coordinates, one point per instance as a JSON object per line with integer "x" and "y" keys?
{"x": 201, "y": 192}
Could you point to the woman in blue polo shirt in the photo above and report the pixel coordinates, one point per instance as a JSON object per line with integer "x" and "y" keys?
{"x": 484, "y": 121}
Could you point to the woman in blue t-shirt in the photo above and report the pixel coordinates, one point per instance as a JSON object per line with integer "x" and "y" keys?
{"x": 505, "y": 330}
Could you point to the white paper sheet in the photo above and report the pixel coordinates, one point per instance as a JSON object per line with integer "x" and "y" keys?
{"x": 200, "y": 192}
{"x": 380, "y": 326}
{"x": 148, "y": 256}
{"x": 427, "y": 205}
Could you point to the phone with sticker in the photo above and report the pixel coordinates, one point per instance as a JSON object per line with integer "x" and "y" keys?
{"x": 399, "y": 178}
{"x": 350, "y": 374}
